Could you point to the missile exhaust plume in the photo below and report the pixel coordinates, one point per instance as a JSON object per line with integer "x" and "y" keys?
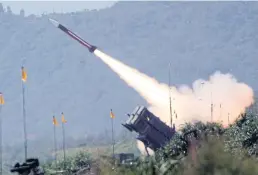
{"x": 190, "y": 104}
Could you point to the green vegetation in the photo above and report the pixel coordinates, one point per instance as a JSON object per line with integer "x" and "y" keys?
{"x": 216, "y": 151}
{"x": 207, "y": 149}
{"x": 88, "y": 155}
{"x": 72, "y": 164}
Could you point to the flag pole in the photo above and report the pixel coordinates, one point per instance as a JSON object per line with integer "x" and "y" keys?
{"x": 170, "y": 102}
{"x": 24, "y": 77}
{"x": 211, "y": 108}
{"x": 1, "y": 134}
{"x": 228, "y": 118}
{"x": 63, "y": 129}
{"x": 113, "y": 142}
{"x": 55, "y": 149}
{"x": 220, "y": 111}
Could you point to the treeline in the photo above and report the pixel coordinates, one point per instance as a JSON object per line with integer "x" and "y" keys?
{"x": 8, "y": 10}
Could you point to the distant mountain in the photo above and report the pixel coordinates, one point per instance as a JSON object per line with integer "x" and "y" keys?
{"x": 198, "y": 38}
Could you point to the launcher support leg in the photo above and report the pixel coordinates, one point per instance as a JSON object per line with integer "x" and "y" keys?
{"x": 147, "y": 151}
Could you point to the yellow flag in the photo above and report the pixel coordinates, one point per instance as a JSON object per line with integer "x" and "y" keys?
{"x": 1, "y": 99}
{"x": 112, "y": 114}
{"x": 24, "y": 75}
{"x": 63, "y": 118}
{"x": 54, "y": 121}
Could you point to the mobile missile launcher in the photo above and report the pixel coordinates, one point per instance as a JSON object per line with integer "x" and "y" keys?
{"x": 151, "y": 130}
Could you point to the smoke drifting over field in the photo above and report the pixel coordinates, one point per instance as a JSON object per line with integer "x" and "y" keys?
{"x": 228, "y": 96}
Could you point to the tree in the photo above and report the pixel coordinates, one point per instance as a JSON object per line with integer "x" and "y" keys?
{"x": 1, "y": 8}
{"x": 9, "y": 10}
{"x": 22, "y": 13}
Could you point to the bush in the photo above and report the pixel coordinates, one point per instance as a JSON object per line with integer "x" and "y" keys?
{"x": 213, "y": 159}
{"x": 243, "y": 135}
{"x": 71, "y": 165}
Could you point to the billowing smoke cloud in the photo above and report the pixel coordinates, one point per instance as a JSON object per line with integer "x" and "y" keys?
{"x": 229, "y": 97}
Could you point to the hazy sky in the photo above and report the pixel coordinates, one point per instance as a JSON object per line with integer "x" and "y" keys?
{"x": 40, "y": 7}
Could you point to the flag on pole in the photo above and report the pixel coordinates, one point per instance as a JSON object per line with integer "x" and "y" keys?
{"x": 112, "y": 114}
{"x": 63, "y": 118}
{"x": 1, "y": 99}
{"x": 24, "y": 75}
{"x": 55, "y": 121}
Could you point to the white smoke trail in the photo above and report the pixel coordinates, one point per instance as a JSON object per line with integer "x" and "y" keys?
{"x": 190, "y": 104}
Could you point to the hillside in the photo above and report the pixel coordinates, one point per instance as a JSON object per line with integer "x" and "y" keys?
{"x": 198, "y": 38}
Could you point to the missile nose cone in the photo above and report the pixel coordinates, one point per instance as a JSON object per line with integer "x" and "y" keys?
{"x": 54, "y": 22}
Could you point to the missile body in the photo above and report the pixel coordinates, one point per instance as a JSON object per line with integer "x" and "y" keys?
{"x": 73, "y": 35}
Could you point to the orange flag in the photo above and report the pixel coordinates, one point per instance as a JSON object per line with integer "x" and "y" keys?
{"x": 55, "y": 121}
{"x": 1, "y": 99}
{"x": 24, "y": 75}
{"x": 63, "y": 118}
{"x": 112, "y": 114}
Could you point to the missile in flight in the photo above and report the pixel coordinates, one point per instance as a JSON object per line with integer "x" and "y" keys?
{"x": 73, "y": 35}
